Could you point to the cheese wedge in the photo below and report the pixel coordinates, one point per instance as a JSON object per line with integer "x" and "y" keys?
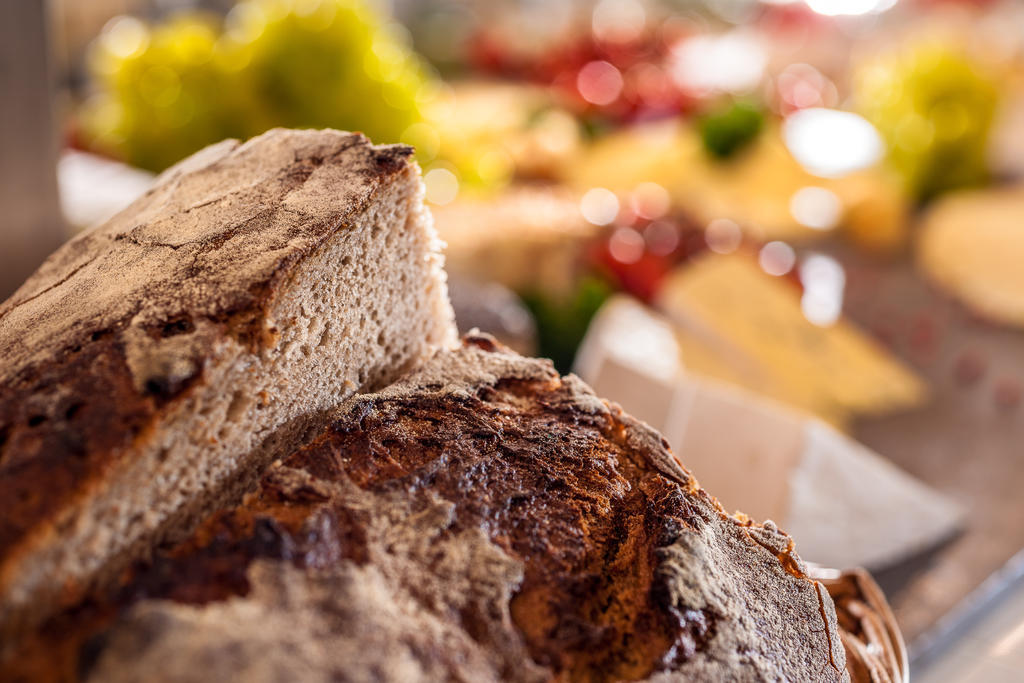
{"x": 972, "y": 244}
{"x": 753, "y": 324}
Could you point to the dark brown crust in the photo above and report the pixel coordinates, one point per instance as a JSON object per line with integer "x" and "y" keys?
{"x": 70, "y": 404}
{"x": 590, "y": 503}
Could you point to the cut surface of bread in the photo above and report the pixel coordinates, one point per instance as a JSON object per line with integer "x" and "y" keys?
{"x": 156, "y": 363}
{"x": 482, "y": 519}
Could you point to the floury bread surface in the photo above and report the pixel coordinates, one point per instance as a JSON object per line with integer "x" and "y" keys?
{"x": 483, "y": 519}
{"x": 155, "y": 364}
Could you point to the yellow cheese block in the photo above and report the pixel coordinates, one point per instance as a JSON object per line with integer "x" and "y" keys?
{"x": 703, "y": 354}
{"x": 739, "y": 324}
{"x": 972, "y": 244}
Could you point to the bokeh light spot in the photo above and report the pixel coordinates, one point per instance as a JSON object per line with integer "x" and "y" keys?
{"x": 618, "y": 21}
{"x": 731, "y": 62}
{"x": 831, "y": 143}
{"x": 824, "y": 280}
{"x": 245, "y": 22}
{"x": 650, "y": 201}
{"x": 599, "y": 206}
{"x": 626, "y": 245}
{"x": 835, "y": 8}
{"x": 816, "y": 208}
{"x": 442, "y": 186}
{"x": 776, "y": 258}
{"x": 599, "y": 83}
{"x": 125, "y": 37}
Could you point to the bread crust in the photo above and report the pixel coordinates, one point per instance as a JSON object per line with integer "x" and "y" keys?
{"x": 483, "y": 519}
{"x": 123, "y": 320}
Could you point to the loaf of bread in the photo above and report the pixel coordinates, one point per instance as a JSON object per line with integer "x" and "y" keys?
{"x": 482, "y": 519}
{"x": 473, "y": 517}
{"x": 154, "y": 365}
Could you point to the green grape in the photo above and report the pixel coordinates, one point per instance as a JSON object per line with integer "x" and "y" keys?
{"x": 167, "y": 91}
{"x": 935, "y": 109}
{"x": 162, "y": 94}
{"x": 331, "y": 63}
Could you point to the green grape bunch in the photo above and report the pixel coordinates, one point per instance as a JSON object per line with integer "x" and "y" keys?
{"x": 165, "y": 91}
{"x": 935, "y": 108}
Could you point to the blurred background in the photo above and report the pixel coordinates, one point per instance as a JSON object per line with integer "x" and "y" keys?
{"x": 787, "y": 233}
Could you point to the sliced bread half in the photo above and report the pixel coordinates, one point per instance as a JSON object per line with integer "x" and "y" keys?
{"x": 154, "y": 364}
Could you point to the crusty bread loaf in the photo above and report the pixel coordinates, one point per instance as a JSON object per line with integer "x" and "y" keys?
{"x": 154, "y": 363}
{"x": 483, "y": 519}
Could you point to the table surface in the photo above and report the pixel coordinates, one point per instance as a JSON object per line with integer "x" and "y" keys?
{"x": 966, "y": 442}
{"x": 990, "y": 651}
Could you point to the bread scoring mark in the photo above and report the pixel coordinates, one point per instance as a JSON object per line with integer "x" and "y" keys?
{"x": 819, "y": 589}
{"x": 786, "y": 558}
{"x": 14, "y": 303}
{"x": 132, "y": 239}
